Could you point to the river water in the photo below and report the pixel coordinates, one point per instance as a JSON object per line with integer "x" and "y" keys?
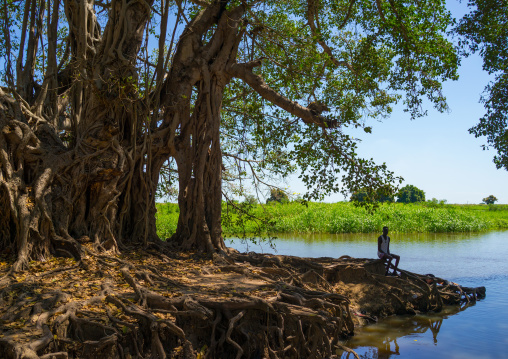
{"x": 470, "y": 259}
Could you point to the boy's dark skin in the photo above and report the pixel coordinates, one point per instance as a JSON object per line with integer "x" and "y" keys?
{"x": 387, "y": 256}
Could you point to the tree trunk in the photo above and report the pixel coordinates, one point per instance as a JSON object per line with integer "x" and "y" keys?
{"x": 198, "y": 152}
{"x": 199, "y": 163}
{"x": 98, "y": 184}
{"x": 54, "y": 198}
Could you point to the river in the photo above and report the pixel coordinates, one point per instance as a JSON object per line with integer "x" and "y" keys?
{"x": 470, "y": 259}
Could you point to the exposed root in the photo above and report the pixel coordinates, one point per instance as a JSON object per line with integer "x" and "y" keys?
{"x": 236, "y": 306}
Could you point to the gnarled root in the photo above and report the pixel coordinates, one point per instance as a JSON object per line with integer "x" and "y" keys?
{"x": 141, "y": 306}
{"x": 182, "y": 305}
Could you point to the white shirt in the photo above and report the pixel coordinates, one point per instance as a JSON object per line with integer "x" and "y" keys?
{"x": 384, "y": 245}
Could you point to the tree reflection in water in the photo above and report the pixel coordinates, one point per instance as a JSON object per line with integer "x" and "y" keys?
{"x": 379, "y": 341}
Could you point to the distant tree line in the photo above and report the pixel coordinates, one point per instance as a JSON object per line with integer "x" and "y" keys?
{"x": 407, "y": 194}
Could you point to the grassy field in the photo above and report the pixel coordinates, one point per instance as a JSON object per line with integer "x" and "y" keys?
{"x": 167, "y": 219}
{"x": 343, "y": 217}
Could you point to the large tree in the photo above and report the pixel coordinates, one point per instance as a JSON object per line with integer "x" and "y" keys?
{"x": 100, "y": 96}
{"x": 485, "y": 29}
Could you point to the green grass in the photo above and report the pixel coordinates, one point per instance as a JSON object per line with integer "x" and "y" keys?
{"x": 344, "y": 217}
{"x": 167, "y": 219}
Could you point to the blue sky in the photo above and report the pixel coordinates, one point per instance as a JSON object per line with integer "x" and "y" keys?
{"x": 436, "y": 153}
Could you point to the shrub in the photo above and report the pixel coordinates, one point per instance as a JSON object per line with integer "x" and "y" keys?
{"x": 359, "y": 196}
{"x": 489, "y": 200}
{"x": 410, "y": 194}
{"x": 434, "y": 202}
{"x": 250, "y": 199}
{"x": 277, "y": 195}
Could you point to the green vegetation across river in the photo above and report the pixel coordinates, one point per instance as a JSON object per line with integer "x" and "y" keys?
{"x": 344, "y": 217}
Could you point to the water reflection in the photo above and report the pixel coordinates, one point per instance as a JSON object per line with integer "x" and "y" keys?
{"x": 379, "y": 341}
{"x": 361, "y": 237}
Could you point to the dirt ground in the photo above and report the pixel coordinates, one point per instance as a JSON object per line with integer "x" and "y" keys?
{"x": 146, "y": 304}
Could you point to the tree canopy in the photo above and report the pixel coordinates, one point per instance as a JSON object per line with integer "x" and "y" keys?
{"x": 104, "y": 100}
{"x": 490, "y": 199}
{"x": 410, "y": 194}
{"x": 277, "y": 195}
{"x": 486, "y": 29}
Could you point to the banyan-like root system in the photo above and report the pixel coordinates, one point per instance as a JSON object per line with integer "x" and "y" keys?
{"x": 149, "y": 305}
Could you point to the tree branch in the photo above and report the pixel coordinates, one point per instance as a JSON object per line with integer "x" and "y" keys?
{"x": 311, "y": 15}
{"x": 183, "y": 60}
{"x": 244, "y": 72}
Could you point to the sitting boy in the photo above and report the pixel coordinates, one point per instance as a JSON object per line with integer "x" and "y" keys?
{"x": 383, "y": 252}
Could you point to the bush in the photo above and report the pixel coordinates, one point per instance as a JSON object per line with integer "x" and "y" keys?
{"x": 434, "y": 202}
{"x": 277, "y": 195}
{"x": 359, "y": 196}
{"x": 250, "y": 199}
{"x": 489, "y": 200}
{"x": 410, "y": 194}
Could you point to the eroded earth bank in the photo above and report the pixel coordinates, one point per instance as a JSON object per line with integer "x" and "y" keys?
{"x": 187, "y": 305}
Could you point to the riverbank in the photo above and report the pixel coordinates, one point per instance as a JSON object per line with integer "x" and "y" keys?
{"x": 163, "y": 303}
{"x": 344, "y": 217}
{"x": 471, "y": 259}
